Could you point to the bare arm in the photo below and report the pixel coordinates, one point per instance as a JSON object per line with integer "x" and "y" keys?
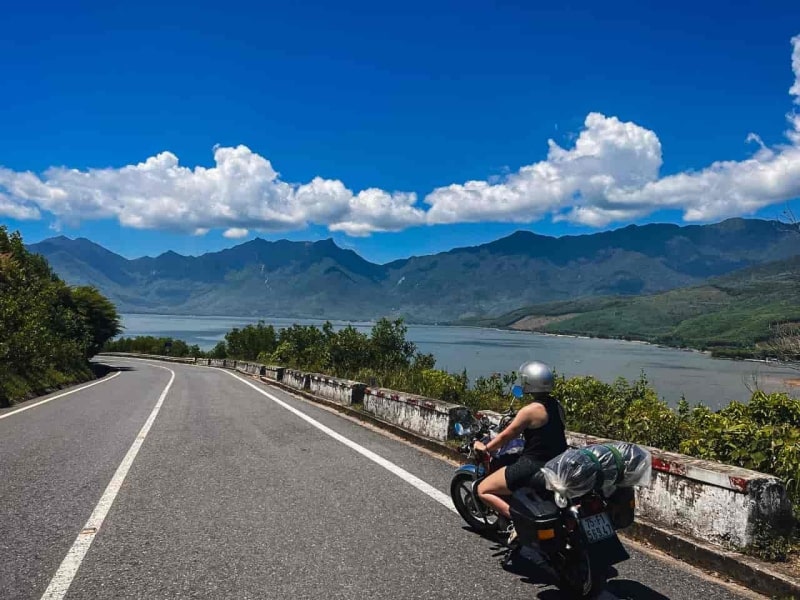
{"x": 534, "y": 415}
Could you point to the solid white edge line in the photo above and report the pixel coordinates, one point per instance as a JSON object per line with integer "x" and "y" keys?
{"x": 46, "y": 400}
{"x": 413, "y": 480}
{"x": 59, "y": 584}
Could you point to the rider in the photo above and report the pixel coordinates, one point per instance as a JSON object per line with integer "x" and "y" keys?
{"x": 541, "y": 423}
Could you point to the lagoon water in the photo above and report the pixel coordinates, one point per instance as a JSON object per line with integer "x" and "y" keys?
{"x": 672, "y": 372}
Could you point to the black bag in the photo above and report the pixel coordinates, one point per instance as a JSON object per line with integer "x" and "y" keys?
{"x": 536, "y": 521}
{"x": 621, "y": 507}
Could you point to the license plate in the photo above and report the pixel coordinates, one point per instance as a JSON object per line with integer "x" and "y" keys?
{"x": 597, "y": 527}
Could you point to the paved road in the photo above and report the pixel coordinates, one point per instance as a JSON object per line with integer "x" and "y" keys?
{"x": 233, "y": 495}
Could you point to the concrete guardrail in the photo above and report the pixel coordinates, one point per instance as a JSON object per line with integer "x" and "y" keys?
{"x": 249, "y": 368}
{"x": 341, "y": 391}
{"x": 295, "y": 379}
{"x": 272, "y": 373}
{"x": 432, "y": 418}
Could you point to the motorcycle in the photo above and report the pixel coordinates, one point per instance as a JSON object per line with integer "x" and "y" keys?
{"x": 464, "y": 485}
{"x": 574, "y": 540}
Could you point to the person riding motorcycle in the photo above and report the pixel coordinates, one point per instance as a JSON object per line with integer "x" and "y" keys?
{"x": 541, "y": 422}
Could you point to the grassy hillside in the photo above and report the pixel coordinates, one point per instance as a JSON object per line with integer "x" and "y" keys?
{"x": 734, "y": 312}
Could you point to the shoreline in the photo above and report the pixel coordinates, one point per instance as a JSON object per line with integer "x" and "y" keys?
{"x": 368, "y": 323}
{"x": 507, "y": 329}
{"x": 483, "y": 350}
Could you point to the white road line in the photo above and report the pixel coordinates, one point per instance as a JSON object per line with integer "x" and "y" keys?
{"x": 72, "y": 561}
{"x": 422, "y": 486}
{"x": 45, "y": 401}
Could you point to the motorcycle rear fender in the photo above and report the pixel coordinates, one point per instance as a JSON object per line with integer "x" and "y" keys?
{"x": 472, "y": 470}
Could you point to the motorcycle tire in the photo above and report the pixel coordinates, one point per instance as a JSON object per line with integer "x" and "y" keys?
{"x": 576, "y": 576}
{"x": 461, "y": 494}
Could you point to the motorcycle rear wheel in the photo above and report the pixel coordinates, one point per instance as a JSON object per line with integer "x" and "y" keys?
{"x": 576, "y": 577}
{"x": 465, "y": 503}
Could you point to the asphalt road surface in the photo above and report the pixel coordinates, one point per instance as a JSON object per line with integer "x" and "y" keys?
{"x": 216, "y": 490}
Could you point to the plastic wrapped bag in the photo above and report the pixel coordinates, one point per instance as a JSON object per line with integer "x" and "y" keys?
{"x": 638, "y": 464}
{"x": 601, "y": 467}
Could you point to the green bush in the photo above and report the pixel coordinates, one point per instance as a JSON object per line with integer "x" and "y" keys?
{"x": 623, "y": 410}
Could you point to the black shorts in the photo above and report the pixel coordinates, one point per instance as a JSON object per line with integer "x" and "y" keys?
{"x": 524, "y": 472}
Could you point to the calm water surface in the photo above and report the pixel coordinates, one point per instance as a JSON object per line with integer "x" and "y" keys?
{"x": 484, "y": 351}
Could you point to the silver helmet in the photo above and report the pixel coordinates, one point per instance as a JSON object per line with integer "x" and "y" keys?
{"x": 535, "y": 378}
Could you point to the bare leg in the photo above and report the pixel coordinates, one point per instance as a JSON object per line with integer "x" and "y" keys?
{"x": 492, "y": 488}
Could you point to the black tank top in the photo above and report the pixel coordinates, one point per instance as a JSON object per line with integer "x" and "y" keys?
{"x": 549, "y": 441}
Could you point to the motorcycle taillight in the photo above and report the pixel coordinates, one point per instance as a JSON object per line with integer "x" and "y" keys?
{"x": 592, "y": 505}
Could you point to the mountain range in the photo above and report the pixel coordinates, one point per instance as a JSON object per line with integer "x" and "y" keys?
{"x": 322, "y": 280}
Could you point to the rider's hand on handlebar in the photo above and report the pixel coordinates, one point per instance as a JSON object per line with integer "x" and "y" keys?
{"x": 479, "y": 447}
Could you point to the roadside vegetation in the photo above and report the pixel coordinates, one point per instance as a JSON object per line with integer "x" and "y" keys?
{"x": 147, "y": 344}
{"x": 48, "y": 330}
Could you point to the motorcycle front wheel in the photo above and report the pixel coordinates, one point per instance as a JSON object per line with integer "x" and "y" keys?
{"x": 465, "y": 503}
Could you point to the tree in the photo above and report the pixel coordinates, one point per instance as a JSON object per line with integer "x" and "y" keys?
{"x": 99, "y": 316}
{"x": 302, "y": 347}
{"x": 389, "y": 347}
{"x": 47, "y": 330}
{"x": 219, "y": 351}
{"x": 247, "y": 343}
{"x": 348, "y": 350}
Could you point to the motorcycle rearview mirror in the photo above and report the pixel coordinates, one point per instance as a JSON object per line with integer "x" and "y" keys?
{"x": 459, "y": 428}
{"x": 516, "y": 391}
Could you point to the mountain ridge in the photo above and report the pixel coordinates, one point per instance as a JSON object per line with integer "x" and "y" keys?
{"x": 321, "y": 279}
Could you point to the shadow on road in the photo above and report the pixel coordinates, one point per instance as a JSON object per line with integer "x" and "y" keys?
{"x": 625, "y": 588}
{"x": 102, "y": 369}
{"x": 532, "y": 570}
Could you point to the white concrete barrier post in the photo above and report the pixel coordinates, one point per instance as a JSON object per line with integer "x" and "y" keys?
{"x": 431, "y": 418}
{"x": 341, "y": 391}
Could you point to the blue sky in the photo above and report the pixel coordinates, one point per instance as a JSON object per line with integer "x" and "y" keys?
{"x": 394, "y": 109}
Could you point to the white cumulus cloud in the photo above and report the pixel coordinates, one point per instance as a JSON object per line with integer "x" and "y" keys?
{"x": 235, "y": 233}
{"x": 242, "y": 191}
{"x": 608, "y": 155}
{"x": 611, "y": 174}
{"x": 17, "y": 210}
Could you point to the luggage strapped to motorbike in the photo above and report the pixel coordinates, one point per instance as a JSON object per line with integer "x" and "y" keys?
{"x": 599, "y": 467}
{"x": 600, "y": 479}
